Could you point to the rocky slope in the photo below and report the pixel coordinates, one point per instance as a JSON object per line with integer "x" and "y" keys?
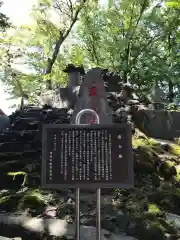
{"x": 29, "y": 212}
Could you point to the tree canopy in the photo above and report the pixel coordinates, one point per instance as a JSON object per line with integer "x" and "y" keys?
{"x": 4, "y": 21}
{"x": 137, "y": 39}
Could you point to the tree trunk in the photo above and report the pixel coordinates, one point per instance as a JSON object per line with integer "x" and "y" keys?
{"x": 171, "y": 91}
{"x": 59, "y": 42}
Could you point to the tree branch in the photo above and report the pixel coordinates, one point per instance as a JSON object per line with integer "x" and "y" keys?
{"x": 144, "y": 48}
{"x": 93, "y": 42}
{"x": 143, "y": 8}
{"x": 59, "y": 42}
{"x": 127, "y": 50}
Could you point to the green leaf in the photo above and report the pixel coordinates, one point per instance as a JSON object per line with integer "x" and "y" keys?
{"x": 173, "y": 4}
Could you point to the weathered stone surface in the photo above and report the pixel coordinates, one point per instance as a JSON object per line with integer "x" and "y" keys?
{"x": 112, "y": 81}
{"x": 158, "y": 123}
{"x": 57, "y": 227}
{"x": 173, "y": 218}
{"x": 4, "y": 122}
{"x": 14, "y": 238}
{"x": 69, "y": 95}
{"x": 157, "y": 96}
{"x": 126, "y": 211}
{"x": 64, "y": 97}
{"x": 97, "y": 102}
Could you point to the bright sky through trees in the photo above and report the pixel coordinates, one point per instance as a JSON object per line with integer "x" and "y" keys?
{"x": 18, "y": 12}
{"x": 139, "y": 42}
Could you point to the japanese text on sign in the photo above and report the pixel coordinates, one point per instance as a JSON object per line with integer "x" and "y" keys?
{"x": 95, "y": 154}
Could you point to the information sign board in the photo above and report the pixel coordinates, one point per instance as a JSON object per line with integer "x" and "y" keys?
{"x": 87, "y": 156}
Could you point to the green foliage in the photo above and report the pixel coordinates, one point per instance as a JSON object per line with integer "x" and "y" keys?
{"x": 135, "y": 39}
{"x": 4, "y": 20}
{"x": 173, "y": 4}
{"x": 38, "y": 46}
{"x": 173, "y": 107}
{"x": 138, "y": 39}
{"x": 153, "y": 208}
{"x": 175, "y": 149}
{"x": 33, "y": 200}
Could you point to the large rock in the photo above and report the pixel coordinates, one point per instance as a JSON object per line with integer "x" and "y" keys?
{"x": 4, "y": 122}
{"x": 58, "y": 228}
{"x": 158, "y": 123}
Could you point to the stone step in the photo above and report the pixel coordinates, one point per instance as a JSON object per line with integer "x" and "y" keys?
{"x": 59, "y": 228}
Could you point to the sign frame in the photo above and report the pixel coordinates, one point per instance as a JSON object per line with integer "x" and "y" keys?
{"x": 128, "y": 183}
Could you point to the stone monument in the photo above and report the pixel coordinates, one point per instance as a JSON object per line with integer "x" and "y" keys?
{"x": 157, "y": 97}
{"x": 92, "y": 95}
{"x": 69, "y": 94}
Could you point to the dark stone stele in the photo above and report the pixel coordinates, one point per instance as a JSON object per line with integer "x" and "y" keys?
{"x": 91, "y": 156}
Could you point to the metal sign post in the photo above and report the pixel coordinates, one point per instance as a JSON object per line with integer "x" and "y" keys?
{"x": 98, "y": 192}
{"x": 91, "y": 156}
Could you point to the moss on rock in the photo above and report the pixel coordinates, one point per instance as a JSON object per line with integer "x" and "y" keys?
{"x": 175, "y": 149}
{"x": 10, "y": 202}
{"x": 157, "y": 174}
{"x": 140, "y": 212}
{"x": 33, "y": 200}
{"x": 21, "y": 175}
